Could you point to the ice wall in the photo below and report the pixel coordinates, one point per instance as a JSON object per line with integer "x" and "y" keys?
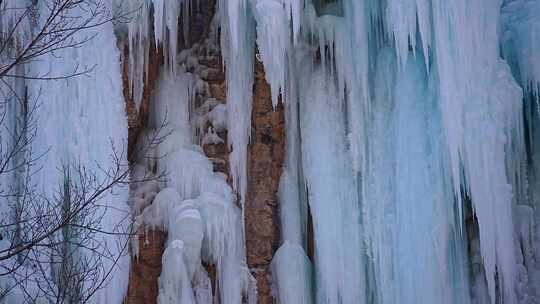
{"x": 429, "y": 113}
{"x": 80, "y": 124}
{"x": 519, "y": 39}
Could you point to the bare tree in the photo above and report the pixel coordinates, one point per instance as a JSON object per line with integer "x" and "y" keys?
{"x": 54, "y": 242}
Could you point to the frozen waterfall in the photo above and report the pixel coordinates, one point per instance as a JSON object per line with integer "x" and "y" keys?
{"x": 411, "y": 172}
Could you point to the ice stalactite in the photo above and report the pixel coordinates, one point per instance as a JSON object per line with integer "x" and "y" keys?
{"x": 407, "y": 191}
{"x": 424, "y": 213}
{"x": 380, "y": 179}
{"x": 152, "y": 22}
{"x": 273, "y": 31}
{"x": 237, "y": 45}
{"x": 339, "y": 260}
{"x": 166, "y": 14}
{"x": 480, "y": 127}
{"x": 138, "y": 43}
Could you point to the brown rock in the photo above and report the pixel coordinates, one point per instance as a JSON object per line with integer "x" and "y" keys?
{"x": 219, "y": 90}
{"x": 138, "y": 118}
{"x": 146, "y": 268}
{"x": 266, "y": 154}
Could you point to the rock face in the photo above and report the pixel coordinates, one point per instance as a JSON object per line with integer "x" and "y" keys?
{"x": 146, "y": 268}
{"x": 266, "y": 156}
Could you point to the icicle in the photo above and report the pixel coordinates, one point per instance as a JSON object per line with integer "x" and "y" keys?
{"x": 237, "y": 44}
{"x": 291, "y": 269}
{"x": 166, "y": 15}
{"x": 406, "y": 19}
{"x": 293, "y": 10}
{"x": 273, "y": 37}
{"x": 138, "y": 45}
{"x": 381, "y": 180}
{"x": 520, "y": 42}
{"x": 332, "y": 193}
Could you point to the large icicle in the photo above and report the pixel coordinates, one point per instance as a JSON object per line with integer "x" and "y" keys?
{"x": 273, "y": 37}
{"x": 237, "y": 45}
{"x": 334, "y": 202}
{"x": 291, "y": 269}
{"x": 424, "y": 199}
{"x": 166, "y": 14}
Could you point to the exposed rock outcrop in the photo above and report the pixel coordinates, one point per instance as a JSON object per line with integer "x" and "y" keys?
{"x": 266, "y": 157}
{"x": 146, "y": 268}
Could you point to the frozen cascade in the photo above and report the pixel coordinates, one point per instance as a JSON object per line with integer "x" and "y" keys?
{"x": 414, "y": 213}
{"x": 174, "y": 282}
{"x": 195, "y": 206}
{"x": 80, "y": 121}
{"x": 519, "y": 40}
{"x": 412, "y": 145}
{"x": 457, "y": 76}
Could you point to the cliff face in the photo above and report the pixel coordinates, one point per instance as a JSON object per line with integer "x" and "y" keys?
{"x": 146, "y": 268}
{"x": 265, "y": 164}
